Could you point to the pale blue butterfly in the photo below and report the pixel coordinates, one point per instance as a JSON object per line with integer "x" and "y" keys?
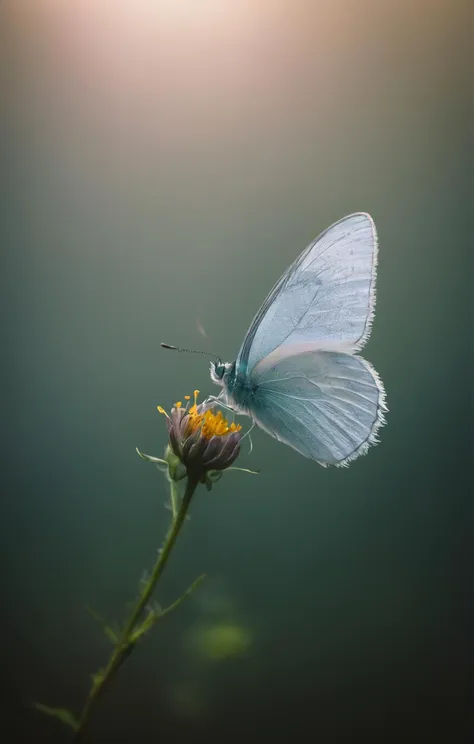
{"x": 297, "y": 374}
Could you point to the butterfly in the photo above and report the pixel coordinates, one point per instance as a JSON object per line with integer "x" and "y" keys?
{"x": 298, "y": 374}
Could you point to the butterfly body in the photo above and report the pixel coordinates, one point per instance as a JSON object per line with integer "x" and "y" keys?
{"x": 238, "y": 390}
{"x": 297, "y": 374}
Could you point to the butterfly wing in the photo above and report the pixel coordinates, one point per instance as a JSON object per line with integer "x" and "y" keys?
{"x": 325, "y": 300}
{"x": 308, "y": 389}
{"x": 326, "y": 405}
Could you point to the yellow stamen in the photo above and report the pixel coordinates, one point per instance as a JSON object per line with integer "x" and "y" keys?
{"x": 211, "y": 424}
{"x": 217, "y": 425}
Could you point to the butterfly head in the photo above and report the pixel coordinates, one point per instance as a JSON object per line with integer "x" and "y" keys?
{"x": 219, "y": 370}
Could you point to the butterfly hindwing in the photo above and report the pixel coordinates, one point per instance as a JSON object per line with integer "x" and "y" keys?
{"x": 326, "y": 405}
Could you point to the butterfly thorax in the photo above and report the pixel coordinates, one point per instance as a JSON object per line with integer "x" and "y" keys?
{"x": 237, "y": 389}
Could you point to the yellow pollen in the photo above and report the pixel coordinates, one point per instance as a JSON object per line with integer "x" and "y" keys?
{"x": 216, "y": 425}
{"x": 211, "y": 424}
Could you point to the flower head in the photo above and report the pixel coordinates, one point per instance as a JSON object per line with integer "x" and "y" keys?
{"x": 201, "y": 439}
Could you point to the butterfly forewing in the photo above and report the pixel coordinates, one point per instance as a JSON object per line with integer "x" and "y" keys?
{"x": 325, "y": 298}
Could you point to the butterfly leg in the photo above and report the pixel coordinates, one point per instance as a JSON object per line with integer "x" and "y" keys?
{"x": 247, "y": 434}
{"x": 218, "y": 401}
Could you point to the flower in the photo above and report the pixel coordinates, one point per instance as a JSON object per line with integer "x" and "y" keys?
{"x": 200, "y": 439}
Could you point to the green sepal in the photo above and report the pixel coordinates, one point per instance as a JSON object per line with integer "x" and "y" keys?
{"x": 62, "y": 714}
{"x": 212, "y": 476}
{"x": 176, "y": 470}
{"x": 244, "y": 470}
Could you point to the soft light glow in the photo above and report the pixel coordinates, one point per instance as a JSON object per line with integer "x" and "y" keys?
{"x": 188, "y": 14}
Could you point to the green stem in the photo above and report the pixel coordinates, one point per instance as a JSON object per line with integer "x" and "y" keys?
{"x": 125, "y": 645}
{"x": 174, "y": 499}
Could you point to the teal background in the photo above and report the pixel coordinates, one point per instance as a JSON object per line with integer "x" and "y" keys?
{"x": 160, "y": 173}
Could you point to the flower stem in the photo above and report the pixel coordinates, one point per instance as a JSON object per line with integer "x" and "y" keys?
{"x": 125, "y": 644}
{"x": 174, "y": 497}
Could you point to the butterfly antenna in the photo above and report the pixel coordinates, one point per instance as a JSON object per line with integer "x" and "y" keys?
{"x": 190, "y": 351}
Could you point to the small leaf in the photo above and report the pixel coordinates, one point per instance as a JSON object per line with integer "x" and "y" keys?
{"x": 178, "y": 601}
{"x": 62, "y": 714}
{"x": 154, "y": 608}
{"x": 109, "y": 632}
{"x": 145, "y": 577}
{"x": 155, "y": 613}
{"x": 95, "y": 614}
{"x": 97, "y": 678}
{"x": 156, "y": 460}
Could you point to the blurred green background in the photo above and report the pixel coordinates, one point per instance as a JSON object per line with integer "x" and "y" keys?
{"x": 163, "y": 163}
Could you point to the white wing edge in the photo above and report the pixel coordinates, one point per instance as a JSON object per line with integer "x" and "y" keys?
{"x": 380, "y": 420}
{"x": 357, "y": 345}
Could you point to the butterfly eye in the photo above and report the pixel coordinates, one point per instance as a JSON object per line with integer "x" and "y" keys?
{"x": 219, "y": 369}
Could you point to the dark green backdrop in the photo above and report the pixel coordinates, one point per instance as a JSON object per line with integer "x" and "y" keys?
{"x": 162, "y": 167}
